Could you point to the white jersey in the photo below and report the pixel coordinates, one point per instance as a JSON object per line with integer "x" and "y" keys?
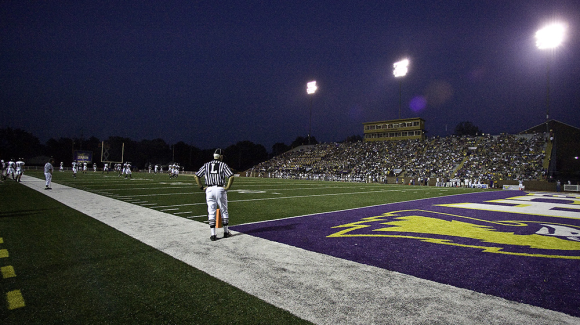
{"x": 19, "y": 167}
{"x": 48, "y": 167}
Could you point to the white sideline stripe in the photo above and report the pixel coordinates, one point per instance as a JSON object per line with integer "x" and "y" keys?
{"x": 316, "y": 287}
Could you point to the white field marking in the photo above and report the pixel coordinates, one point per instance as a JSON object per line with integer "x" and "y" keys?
{"x": 149, "y": 188}
{"x": 158, "y": 194}
{"x": 248, "y": 191}
{"x": 146, "y": 204}
{"x": 176, "y": 183}
{"x": 165, "y": 210}
{"x": 276, "y": 198}
{"x": 316, "y": 287}
{"x": 119, "y": 180}
{"x": 201, "y": 216}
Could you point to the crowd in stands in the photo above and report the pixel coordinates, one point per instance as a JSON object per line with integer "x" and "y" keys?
{"x": 462, "y": 159}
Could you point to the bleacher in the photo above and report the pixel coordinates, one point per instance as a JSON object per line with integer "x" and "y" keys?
{"x": 501, "y": 157}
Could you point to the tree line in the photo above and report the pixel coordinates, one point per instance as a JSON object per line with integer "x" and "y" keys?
{"x": 17, "y": 143}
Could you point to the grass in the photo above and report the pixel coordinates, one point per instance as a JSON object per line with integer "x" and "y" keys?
{"x": 71, "y": 268}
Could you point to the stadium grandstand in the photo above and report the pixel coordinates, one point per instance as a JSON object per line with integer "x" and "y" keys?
{"x": 490, "y": 160}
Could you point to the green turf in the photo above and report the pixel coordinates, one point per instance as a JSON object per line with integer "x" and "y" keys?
{"x": 251, "y": 199}
{"x": 72, "y": 269}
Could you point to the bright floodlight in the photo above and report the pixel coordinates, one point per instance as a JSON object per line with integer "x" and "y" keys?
{"x": 550, "y": 36}
{"x": 401, "y": 68}
{"x": 311, "y": 87}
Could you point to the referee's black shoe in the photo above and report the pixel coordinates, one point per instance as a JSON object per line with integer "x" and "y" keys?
{"x": 227, "y": 234}
{"x": 213, "y": 238}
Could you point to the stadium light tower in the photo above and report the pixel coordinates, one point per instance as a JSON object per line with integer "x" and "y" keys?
{"x": 549, "y": 38}
{"x": 310, "y": 90}
{"x": 400, "y": 69}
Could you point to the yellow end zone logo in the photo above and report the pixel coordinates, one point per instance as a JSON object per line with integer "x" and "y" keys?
{"x": 548, "y": 238}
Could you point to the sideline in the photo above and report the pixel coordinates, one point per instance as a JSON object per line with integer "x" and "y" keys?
{"x": 312, "y": 286}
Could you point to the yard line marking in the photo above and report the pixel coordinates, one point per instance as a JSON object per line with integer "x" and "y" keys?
{"x": 146, "y": 188}
{"x": 158, "y": 194}
{"x": 15, "y": 299}
{"x": 7, "y": 272}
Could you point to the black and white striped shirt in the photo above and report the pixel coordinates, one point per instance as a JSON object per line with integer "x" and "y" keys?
{"x": 215, "y": 172}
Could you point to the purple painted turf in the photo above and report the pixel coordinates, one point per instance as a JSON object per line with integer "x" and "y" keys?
{"x": 546, "y": 282}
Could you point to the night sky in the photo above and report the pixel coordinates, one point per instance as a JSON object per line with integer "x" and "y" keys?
{"x": 212, "y": 73}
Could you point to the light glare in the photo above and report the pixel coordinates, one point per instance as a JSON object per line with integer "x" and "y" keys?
{"x": 401, "y": 68}
{"x": 550, "y": 36}
{"x": 311, "y": 87}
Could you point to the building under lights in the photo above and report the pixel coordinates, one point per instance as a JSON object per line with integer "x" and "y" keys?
{"x": 401, "y": 129}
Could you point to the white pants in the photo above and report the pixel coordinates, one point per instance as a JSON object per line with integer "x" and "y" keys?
{"x": 48, "y": 177}
{"x": 217, "y": 197}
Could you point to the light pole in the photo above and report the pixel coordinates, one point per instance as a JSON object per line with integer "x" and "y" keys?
{"x": 400, "y": 70}
{"x": 310, "y": 90}
{"x": 549, "y": 37}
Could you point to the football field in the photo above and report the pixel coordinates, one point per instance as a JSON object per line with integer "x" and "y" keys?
{"x": 138, "y": 251}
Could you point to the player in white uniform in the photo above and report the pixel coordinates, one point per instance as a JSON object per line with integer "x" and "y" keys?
{"x": 61, "y": 166}
{"x": 3, "y": 165}
{"x": 10, "y": 169}
{"x": 156, "y": 168}
{"x": 48, "y": 173}
{"x": 216, "y": 172}
{"x": 94, "y": 167}
{"x": 74, "y": 169}
{"x": 85, "y": 167}
{"x": 128, "y": 170}
{"x": 173, "y": 170}
{"x": 19, "y": 169}
{"x": 106, "y": 168}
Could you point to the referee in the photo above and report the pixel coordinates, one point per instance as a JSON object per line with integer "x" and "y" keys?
{"x": 216, "y": 172}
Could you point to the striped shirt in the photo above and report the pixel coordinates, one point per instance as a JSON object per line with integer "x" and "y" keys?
{"x": 215, "y": 172}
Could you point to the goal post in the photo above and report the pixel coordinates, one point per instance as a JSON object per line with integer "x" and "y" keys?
{"x": 112, "y": 153}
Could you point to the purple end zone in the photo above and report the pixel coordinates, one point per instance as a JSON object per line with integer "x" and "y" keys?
{"x": 510, "y": 255}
